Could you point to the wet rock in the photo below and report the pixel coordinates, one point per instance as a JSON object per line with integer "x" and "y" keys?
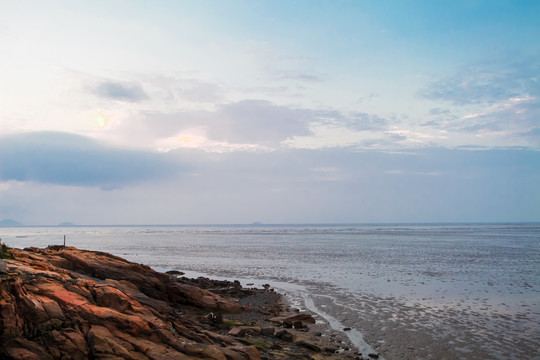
{"x": 175, "y": 272}
{"x": 305, "y": 318}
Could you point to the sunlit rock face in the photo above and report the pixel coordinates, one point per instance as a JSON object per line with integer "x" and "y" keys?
{"x": 62, "y": 302}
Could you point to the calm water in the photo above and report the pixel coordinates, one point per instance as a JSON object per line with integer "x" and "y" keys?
{"x": 407, "y": 291}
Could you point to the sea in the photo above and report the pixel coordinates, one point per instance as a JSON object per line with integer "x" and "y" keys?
{"x": 404, "y": 291}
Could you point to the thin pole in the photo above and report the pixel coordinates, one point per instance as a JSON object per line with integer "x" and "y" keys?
{"x": 64, "y": 240}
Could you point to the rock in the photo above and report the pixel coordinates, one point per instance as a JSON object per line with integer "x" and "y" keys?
{"x": 268, "y": 331}
{"x": 347, "y": 329}
{"x": 285, "y": 336}
{"x": 373, "y": 355}
{"x": 309, "y": 345}
{"x": 305, "y": 318}
{"x": 298, "y": 324}
{"x": 3, "y": 266}
{"x": 237, "y": 331}
{"x": 65, "y": 303}
{"x": 287, "y": 324}
{"x": 102, "y": 343}
{"x": 175, "y": 272}
{"x": 249, "y": 352}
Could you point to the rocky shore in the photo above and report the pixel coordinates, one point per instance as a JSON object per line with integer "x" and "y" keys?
{"x": 65, "y": 303}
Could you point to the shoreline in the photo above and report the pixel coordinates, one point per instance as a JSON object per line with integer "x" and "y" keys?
{"x": 486, "y": 310}
{"x": 331, "y": 330}
{"x": 65, "y": 303}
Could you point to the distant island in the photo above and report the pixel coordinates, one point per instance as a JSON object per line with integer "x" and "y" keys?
{"x": 66, "y": 224}
{"x": 10, "y": 222}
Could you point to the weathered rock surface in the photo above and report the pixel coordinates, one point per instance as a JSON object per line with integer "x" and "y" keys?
{"x": 65, "y": 303}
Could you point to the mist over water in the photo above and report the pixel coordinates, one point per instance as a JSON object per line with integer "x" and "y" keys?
{"x": 407, "y": 291}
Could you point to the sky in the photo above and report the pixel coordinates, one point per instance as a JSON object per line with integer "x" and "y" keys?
{"x": 233, "y": 112}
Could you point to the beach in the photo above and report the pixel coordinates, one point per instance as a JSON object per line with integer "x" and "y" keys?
{"x": 463, "y": 291}
{"x": 64, "y": 303}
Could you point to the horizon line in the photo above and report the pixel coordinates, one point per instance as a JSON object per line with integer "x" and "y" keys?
{"x": 289, "y": 224}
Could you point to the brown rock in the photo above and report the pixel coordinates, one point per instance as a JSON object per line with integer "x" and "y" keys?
{"x": 302, "y": 317}
{"x": 202, "y": 351}
{"x": 309, "y": 345}
{"x": 66, "y": 303}
{"x": 237, "y": 331}
{"x": 268, "y": 331}
{"x": 24, "y": 349}
{"x": 285, "y": 336}
{"x": 51, "y": 307}
{"x": 298, "y": 325}
{"x": 249, "y": 352}
{"x": 109, "y": 296}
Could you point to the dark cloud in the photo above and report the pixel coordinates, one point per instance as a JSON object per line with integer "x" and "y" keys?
{"x": 487, "y": 83}
{"x": 123, "y": 91}
{"x": 61, "y": 158}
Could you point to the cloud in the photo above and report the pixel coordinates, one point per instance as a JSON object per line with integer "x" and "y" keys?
{"x": 121, "y": 91}
{"x": 516, "y": 117}
{"x": 288, "y": 186}
{"x": 236, "y": 125}
{"x": 184, "y": 88}
{"x": 495, "y": 104}
{"x": 257, "y": 121}
{"x": 300, "y": 76}
{"x": 66, "y": 159}
{"x": 364, "y": 122}
{"x": 245, "y": 125}
{"x": 487, "y": 83}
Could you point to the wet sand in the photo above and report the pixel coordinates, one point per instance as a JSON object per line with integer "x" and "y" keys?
{"x": 415, "y": 331}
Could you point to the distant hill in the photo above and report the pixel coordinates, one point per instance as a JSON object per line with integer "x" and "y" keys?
{"x": 66, "y": 224}
{"x": 9, "y": 222}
